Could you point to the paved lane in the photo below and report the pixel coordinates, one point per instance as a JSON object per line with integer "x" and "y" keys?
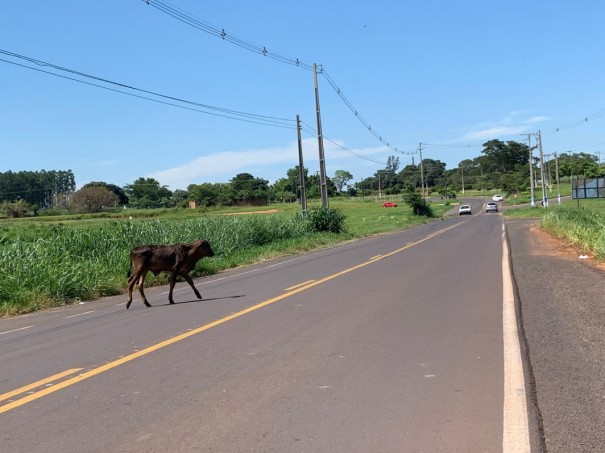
{"x": 393, "y": 343}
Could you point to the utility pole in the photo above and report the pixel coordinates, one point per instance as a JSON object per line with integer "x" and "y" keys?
{"x": 544, "y": 195}
{"x": 558, "y": 185}
{"x": 421, "y": 169}
{"x": 301, "y": 170}
{"x": 320, "y": 139}
{"x": 531, "y": 171}
{"x": 462, "y": 173}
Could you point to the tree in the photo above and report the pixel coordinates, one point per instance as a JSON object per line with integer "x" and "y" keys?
{"x": 392, "y": 164}
{"x": 94, "y": 199}
{"x": 580, "y": 164}
{"x": 211, "y": 194}
{"x": 180, "y": 198}
{"x": 147, "y": 193}
{"x": 15, "y": 209}
{"x": 409, "y": 177}
{"x": 341, "y": 178}
{"x": 42, "y": 189}
{"x": 247, "y": 188}
{"x": 505, "y": 157}
{"x": 122, "y": 197}
{"x": 434, "y": 171}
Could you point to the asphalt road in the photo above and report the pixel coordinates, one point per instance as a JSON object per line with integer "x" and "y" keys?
{"x": 389, "y": 344}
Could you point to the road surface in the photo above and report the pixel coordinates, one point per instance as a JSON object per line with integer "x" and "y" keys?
{"x": 388, "y": 344}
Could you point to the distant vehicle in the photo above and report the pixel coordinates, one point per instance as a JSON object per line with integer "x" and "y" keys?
{"x": 497, "y": 198}
{"x": 491, "y": 207}
{"x": 464, "y": 209}
{"x": 389, "y": 204}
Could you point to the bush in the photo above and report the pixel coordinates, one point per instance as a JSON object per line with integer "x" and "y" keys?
{"x": 324, "y": 219}
{"x": 418, "y": 204}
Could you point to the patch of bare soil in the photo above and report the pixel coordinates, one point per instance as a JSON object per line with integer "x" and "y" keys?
{"x": 270, "y": 211}
{"x": 560, "y": 247}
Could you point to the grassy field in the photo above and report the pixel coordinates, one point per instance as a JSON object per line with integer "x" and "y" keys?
{"x": 51, "y": 261}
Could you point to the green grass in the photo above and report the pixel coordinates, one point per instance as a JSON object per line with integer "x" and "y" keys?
{"x": 581, "y": 225}
{"x": 53, "y": 261}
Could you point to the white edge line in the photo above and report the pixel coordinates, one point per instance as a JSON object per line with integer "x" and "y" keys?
{"x": 79, "y": 314}
{"x": 515, "y": 434}
{"x": 16, "y": 330}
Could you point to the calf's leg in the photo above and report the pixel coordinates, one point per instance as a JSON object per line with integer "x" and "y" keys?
{"x": 141, "y": 283}
{"x": 172, "y": 283}
{"x": 132, "y": 279}
{"x": 188, "y": 279}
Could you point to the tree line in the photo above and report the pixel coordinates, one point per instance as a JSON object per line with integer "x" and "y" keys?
{"x": 503, "y": 166}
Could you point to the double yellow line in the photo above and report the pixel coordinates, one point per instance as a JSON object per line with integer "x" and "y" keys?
{"x": 96, "y": 371}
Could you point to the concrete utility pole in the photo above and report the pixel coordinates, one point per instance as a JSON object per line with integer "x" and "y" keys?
{"x": 531, "y": 171}
{"x": 558, "y": 185}
{"x": 542, "y": 174}
{"x": 320, "y": 139}
{"x": 301, "y": 170}
{"x": 421, "y": 170}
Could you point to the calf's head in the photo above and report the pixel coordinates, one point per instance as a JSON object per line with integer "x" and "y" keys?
{"x": 202, "y": 249}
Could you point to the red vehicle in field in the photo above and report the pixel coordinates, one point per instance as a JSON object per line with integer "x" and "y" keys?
{"x": 389, "y": 204}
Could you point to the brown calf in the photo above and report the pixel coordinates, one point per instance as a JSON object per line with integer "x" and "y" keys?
{"x": 177, "y": 259}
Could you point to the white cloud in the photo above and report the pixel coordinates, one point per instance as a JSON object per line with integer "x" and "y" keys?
{"x": 223, "y": 166}
{"x": 494, "y": 132}
{"x": 513, "y": 124}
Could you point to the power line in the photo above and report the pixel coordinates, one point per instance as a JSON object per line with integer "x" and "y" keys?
{"x": 356, "y": 112}
{"x": 312, "y": 132}
{"x": 584, "y": 120}
{"x": 213, "y": 30}
{"x": 209, "y": 109}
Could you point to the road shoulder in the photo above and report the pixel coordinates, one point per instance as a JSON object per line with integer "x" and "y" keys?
{"x": 562, "y": 317}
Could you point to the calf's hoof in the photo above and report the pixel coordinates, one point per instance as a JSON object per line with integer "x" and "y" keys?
{"x": 128, "y": 304}
{"x": 147, "y": 304}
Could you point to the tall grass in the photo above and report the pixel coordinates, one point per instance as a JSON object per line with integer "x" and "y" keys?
{"x": 61, "y": 264}
{"x": 49, "y": 263}
{"x": 582, "y": 227}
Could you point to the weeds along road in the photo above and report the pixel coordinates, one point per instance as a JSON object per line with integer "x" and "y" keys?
{"x": 388, "y": 344}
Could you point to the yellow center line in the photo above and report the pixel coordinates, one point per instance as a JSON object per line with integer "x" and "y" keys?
{"x": 39, "y": 383}
{"x": 183, "y": 336}
{"x": 300, "y": 284}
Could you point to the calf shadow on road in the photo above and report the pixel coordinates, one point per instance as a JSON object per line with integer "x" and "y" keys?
{"x": 196, "y": 301}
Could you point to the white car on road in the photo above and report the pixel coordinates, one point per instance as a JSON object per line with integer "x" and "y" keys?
{"x": 464, "y": 209}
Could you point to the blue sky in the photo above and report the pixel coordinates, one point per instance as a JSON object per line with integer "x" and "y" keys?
{"x": 450, "y": 75}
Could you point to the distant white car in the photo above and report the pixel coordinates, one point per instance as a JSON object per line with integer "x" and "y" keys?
{"x": 491, "y": 207}
{"x": 464, "y": 209}
{"x": 497, "y": 198}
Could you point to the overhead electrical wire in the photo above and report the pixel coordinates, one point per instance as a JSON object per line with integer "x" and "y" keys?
{"x": 356, "y": 113}
{"x": 312, "y": 132}
{"x": 188, "y": 19}
{"x": 584, "y": 120}
{"x": 209, "y": 109}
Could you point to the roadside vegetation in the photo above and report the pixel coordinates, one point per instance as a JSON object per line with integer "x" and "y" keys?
{"x": 50, "y": 262}
{"x": 59, "y": 245}
{"x": 581, "y": 225}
